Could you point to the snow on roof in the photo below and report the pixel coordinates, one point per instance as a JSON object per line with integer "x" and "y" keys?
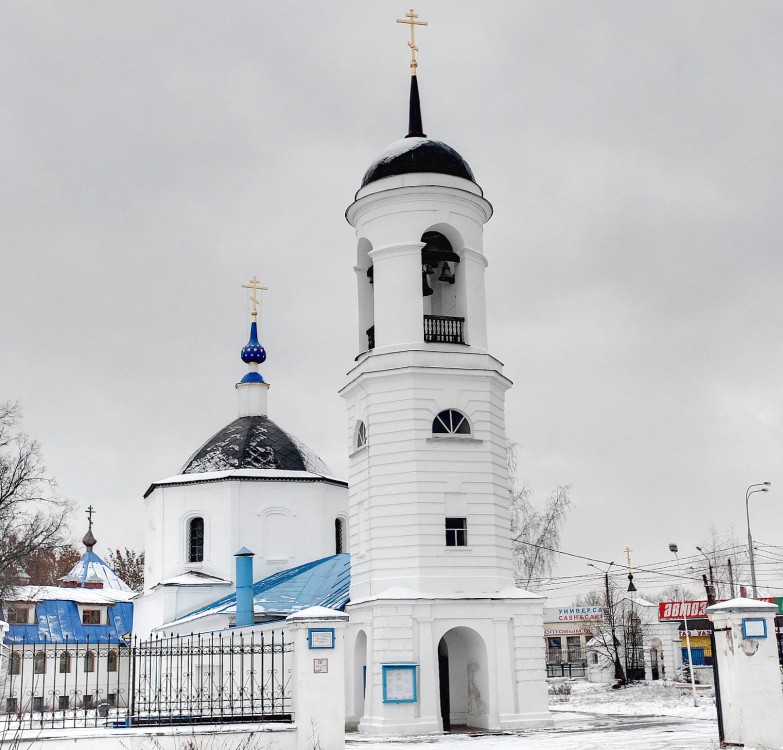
{"x": 323, "y": 583}
{"x": 193, "y": 578}
{"x": 257, "y": 474}
{"x": 66, "y": 594}
{"x": 91, "y": 568}
{"x": 58, "y": 619}
{"x": 741, "y": 603}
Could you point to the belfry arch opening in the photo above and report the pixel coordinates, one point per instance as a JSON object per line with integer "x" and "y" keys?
{"x": 442, "y": 283}
{"x": 463, "y": 679}
{"x": 365, "y": 280}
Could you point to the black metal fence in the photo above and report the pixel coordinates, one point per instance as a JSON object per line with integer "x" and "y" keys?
{"x": 194, "y": 679}
{"x": 567, "y": 662}
{"x": 443, "y": 329}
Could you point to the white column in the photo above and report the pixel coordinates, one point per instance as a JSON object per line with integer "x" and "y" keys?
{"x": 749, "y": 672}
{"x": 399, "y": 310}
{"x": 318, "y": 678}
{"x": 475, "y": 303}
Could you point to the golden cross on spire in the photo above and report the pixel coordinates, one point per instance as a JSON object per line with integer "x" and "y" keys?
{"x": 413, "y": 23}
{"x": 628, "y": 551}
{"x": 255, "y": 285}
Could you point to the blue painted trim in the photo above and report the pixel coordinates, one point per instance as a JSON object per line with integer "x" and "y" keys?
{"x": 407, "y": 666}
{"x": 746, "y": 620}
{"x": 310, "y": 632}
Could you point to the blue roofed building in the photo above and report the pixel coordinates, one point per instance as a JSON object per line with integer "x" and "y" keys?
{"x": 65, "y": 645}
{"x": 321, "y": 583}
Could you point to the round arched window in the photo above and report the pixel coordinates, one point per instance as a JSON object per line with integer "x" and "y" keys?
{"x": 450, "y": 422}
{"x": 361, "y": 435}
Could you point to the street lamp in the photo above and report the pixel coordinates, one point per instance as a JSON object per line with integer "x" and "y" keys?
{"x": 761, "y": 487}
{"x": 674, "y": 548}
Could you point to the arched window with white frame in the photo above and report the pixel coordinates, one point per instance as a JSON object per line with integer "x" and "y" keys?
{"x": 361, "y": 435}
{"x": 195, "y": 540}
{"x": 450, "y": 422}
{"x": 339, "y": 535}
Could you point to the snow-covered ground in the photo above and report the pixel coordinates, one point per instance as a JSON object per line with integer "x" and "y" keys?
{"x": 594, "y": 717}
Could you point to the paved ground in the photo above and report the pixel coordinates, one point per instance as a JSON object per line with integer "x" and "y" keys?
{"x": 573, "y": 731}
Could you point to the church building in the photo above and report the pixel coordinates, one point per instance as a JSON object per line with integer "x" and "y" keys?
{"x": 251, "y": 485}
{"x": 438, "y": 634}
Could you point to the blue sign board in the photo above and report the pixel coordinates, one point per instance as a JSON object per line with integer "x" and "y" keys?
{"x": 399, "y": 683}
{"x": 320, "y": 637}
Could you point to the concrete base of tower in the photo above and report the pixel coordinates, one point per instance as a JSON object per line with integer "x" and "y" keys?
{"x": 423, "y": 664}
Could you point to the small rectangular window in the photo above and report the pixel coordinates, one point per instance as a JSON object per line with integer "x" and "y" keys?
{"x": 91, "y": 617}
{"x": 456, "y": 532}
{"x": 17, "y": 615}
{"x": 62, "y": 702}
{"x": 38, "y": 704}
{"x": 11, "y": 705}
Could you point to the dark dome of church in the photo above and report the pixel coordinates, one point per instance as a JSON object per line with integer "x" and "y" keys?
{"x": 414, "y": 154}
{"x": 254, "y": 443}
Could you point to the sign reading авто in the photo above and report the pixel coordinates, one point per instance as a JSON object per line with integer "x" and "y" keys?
{"x": 694, "y": 609}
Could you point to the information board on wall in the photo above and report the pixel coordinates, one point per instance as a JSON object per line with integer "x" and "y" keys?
{"x": 399, "y": 683}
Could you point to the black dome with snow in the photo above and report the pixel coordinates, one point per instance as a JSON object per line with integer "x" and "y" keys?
{"x": 414, "y": 154}
{"x": 254, "y": 443}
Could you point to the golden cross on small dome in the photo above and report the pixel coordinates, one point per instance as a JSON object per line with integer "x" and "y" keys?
{"x": 413, "y": 23}
{"x": 90, "y": 510}
{"x": 628, "y": 551}
{"x": 255, "y": 285}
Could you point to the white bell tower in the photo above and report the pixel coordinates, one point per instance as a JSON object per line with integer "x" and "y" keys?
{"x": 434, "y": 609}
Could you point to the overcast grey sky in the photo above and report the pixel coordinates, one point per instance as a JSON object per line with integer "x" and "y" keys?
{"x": 158, "y": 154}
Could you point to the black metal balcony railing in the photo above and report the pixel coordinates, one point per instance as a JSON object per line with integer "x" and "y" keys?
{"x": 443, "y": 329}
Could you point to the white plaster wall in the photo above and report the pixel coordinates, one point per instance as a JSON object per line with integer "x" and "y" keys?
{"x": 508, "y": 690}
{"x": 237, "y": 514}
{"x": 285, "y": 523}
{"x": 406, "y": 482}
{"x": 749, "y": 672}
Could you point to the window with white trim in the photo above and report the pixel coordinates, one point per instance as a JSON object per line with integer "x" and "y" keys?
{"x": 456, "y": 532}
{"x": 450, "y": 422}
{"x": 196, "y": 539}
{"x": 361, "y": 435}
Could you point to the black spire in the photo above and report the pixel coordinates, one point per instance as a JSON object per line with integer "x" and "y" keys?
{"x": 415, "y": 128}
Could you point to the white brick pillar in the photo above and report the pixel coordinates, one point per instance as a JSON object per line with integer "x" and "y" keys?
{"x": 318, "y": 692}
{"x": 749, "y": 672}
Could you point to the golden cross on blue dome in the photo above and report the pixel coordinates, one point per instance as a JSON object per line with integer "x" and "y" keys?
{"x": 90, "y": 510}
{"x": 255, "y": 285}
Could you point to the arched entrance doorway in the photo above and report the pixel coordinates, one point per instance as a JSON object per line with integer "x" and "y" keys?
{"x": 463, "y": 679}
{"x": 360, "y": 674}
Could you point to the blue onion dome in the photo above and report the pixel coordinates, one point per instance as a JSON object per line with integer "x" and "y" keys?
{"x": 253, "y": 352}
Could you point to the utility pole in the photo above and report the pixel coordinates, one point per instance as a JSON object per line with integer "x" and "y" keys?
{"x": 731, "y": 580}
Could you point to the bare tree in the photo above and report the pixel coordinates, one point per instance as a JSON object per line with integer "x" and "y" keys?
{"x": 619, "y": 638}
{"x": 32, "y": 515}
{"x": 535, "y": 534}
{"x": 46, "y": 565}
{"x": 129, "y": 566}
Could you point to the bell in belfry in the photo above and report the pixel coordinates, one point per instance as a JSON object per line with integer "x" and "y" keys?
{"x": 446, "y": 274}
{"x": 426, "y": 289}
